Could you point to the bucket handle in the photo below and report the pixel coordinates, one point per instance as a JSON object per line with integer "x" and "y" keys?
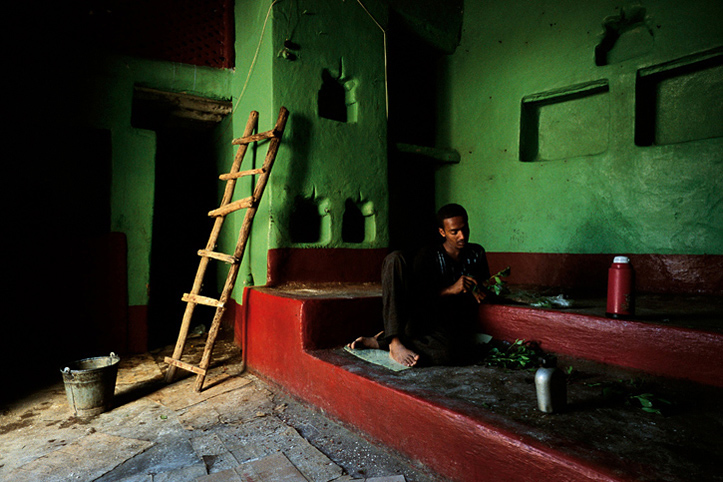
{"x": 66, "y": 371}
{"x": 69, "y": 374}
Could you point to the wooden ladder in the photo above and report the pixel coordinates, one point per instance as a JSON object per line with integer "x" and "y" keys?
{"x": 227, "y": 207}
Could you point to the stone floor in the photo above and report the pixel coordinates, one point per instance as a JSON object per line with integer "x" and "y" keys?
{"x": 238, "y": 426}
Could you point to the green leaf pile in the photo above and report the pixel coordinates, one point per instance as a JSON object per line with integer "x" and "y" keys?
{"x": 519, "y": 355}
{"x": 648, "y": 402}
{"x": 651, "y": 403}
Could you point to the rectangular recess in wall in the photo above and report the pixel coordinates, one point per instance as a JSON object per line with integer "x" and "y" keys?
{"x": 680, "y": 101}
{"x": 565, "y": 123}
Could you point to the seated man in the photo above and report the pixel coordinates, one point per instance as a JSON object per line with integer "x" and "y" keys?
{"x": 429, "y": 307}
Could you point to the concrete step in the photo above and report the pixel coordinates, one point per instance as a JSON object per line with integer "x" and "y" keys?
{"x": 480, "y": 423}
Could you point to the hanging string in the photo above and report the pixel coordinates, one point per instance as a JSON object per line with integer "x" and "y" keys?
{"x": 256, "y": 55}
{"x": 384, "y": 32}
{"x": 251, "y": 68}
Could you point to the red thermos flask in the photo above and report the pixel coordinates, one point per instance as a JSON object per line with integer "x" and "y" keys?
{"x": 621, "y": 289}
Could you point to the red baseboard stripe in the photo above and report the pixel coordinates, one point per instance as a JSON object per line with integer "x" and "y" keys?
{"x": 587, "y": 273}
{"x": 316, "y": 265}
{"x": 578, "y": 273}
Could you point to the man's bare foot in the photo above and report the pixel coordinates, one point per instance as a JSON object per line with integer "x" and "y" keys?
{"x": 401, "y": 354}
{"x": 366, "y": 342}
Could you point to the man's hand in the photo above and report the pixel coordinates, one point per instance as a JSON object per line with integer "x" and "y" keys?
{"x": 465, "y": 284}
{"x": 479, "y": 293}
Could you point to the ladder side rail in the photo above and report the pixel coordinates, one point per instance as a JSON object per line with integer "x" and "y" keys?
{"x": 251, "y": 125}
{"x": 271, "y": 154}
{"x": 215, "y": 326}
{"x": 241, "y": 244}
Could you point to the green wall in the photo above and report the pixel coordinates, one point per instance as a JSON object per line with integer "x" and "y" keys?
{"x": 322, "y": 162}
{"x": 111, "y": 94}
{"x": 133, "y": 150}
{"x": 587, "y": 187}
{"x": 325, "y": 160}
{"x": 76, "y": 86}
{"x": 251, "y": 91}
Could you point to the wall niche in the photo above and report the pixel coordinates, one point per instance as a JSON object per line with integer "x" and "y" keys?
{"x": 310, "y": 221}
{"x": 680, "y": 101}
{"x": 358, "y": 222}
{"x": 565, "y": 123}
{"x": 337, "y": 97}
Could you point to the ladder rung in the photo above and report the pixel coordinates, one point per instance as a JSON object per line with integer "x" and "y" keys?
{"x": 226, "y": 258}
{"x": 185, "y": 366}
{"x": 236, "y": 175}
{"x": 231, "y": 207}
{"x": 256, "y": 137}
{"x": 202, "y": 300}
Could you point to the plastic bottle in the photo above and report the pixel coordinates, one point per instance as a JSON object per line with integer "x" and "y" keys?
{"x": 551, "y": 387}
{"x": 621, "y": 289}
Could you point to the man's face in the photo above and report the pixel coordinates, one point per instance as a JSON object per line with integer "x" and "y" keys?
{"x": 455, "y": 232}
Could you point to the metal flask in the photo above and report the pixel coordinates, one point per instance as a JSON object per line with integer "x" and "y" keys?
{"x": 551, "y": 389}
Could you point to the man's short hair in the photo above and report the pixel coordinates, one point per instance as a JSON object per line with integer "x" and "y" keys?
{"x": 450, "y": 211}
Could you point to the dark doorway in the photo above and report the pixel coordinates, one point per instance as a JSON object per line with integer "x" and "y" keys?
{"x": 413, "y": 90}
{"x": 186, "y": 188}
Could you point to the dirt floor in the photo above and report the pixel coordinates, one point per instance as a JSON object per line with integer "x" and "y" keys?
{"x": 168, "y": 432}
